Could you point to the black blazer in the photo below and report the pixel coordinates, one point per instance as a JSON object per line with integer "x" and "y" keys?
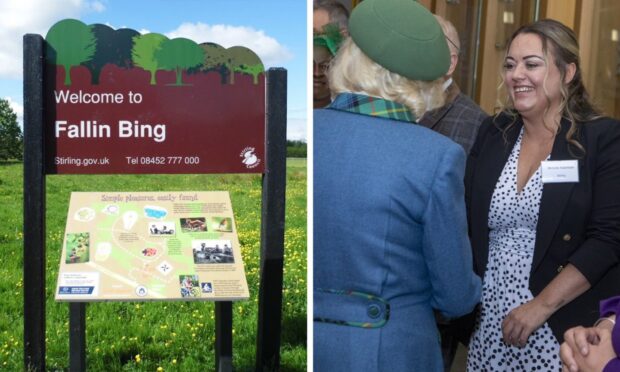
{"x": 579, "y": 223}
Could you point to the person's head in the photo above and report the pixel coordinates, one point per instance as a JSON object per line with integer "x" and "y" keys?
{"x": 329, "y": 11}
{"x": 454, "y": 44}
{"x": 402, "y": 59}
{"x": 321, "y": 57}
{"x": 330, "y": 22}
{"x": 542, "y": 75}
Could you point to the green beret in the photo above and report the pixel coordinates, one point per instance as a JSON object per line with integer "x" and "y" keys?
{"x": 402, "y": 36}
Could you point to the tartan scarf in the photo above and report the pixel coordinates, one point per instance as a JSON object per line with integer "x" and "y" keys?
{"x": 372, "y": 106}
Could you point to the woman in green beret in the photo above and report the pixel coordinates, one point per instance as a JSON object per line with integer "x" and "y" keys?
{"x": 390, "y": 234}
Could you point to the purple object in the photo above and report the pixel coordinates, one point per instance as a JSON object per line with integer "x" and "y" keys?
{"x": 609, "y": 307}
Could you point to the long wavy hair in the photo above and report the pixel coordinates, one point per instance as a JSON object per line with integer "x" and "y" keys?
{"x": 559, "y": 42}
{"x": 352, "y": 71}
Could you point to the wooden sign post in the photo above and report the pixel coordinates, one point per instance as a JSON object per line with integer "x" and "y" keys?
{"x": 104, "y": 101}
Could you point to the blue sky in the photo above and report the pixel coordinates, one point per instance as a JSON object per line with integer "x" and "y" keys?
{"x": 274, "y": 29}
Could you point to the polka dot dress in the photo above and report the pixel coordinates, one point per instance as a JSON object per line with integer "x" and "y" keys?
{"x": 512, "y": 222}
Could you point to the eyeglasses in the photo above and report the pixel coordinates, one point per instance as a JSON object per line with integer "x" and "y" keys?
{"x": 320, "y": 67}
{"x": 453, "y": 44}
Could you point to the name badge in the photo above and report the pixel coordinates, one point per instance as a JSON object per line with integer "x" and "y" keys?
{"x": 559, "y": 171}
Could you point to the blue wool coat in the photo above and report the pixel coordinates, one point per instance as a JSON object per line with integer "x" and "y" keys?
{"x": 389, "y": 221}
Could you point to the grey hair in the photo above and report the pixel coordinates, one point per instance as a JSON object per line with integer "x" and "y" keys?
{"x": 337, "y": 12}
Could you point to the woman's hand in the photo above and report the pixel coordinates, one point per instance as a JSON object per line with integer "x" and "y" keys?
{"x": 577, "y": 340}
{"x": 523, "y": 320}
{"x": 586, "y": 349}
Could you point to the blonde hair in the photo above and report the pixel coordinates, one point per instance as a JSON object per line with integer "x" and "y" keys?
{"x": 559, "y": 42}
{"x": 352, "y": 71}
{"x": 450, "y": 33}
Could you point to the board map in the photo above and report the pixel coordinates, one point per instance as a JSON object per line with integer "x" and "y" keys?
{"x": 144, "y": 246}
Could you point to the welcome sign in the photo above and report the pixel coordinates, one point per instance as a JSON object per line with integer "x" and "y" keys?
{"x": 117, "y": 101}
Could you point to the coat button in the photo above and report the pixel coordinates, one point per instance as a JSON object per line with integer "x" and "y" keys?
{"x": 560, "y": 268}
{"x": 567, "y": 237}
{"x": 373, "y": 311}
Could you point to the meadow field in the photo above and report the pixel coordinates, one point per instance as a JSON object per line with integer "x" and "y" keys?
{"x": 153, "y": 336}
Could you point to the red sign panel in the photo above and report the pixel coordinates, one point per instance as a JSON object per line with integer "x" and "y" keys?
{"x": 121, "y": 102}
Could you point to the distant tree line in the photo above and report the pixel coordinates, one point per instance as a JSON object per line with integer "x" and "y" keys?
{"x": 296, "y": 149}
{"x": 11, "y": 137}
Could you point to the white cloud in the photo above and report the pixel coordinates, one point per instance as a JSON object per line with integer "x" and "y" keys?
{"x": 270, "y": 51}
{"x": 19, "y": 110}
{"x": 20, "y": 17}
{"x": 96, "y": 6}
{"x": 296, "y": 129}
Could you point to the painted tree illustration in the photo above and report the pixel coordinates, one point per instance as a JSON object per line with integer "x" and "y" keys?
{"x": 70, "y": 43}
{"x": 216, "y": 59}
{"x": 245, "y": 61}
{"x": 143, "y": 52}
{"x": 179, "y": 54}
{"x": 113, "y": 46}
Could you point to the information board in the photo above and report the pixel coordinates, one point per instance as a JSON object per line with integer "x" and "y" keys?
{"x": 142, "y": 246}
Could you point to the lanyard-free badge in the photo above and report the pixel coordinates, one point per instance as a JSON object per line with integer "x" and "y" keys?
{"x": 560, "y": 171}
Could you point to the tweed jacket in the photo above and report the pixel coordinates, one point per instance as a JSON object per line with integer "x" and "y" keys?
{"x": 578, "y": 223}
{"x": 459, "y": 119}
{"x": 390, "y": 243}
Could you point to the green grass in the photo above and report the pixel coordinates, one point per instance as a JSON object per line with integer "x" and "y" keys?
{"x": 173, "y": 336}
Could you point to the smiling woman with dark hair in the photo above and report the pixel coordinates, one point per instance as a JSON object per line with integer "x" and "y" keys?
{"x": 542, "y": 187}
